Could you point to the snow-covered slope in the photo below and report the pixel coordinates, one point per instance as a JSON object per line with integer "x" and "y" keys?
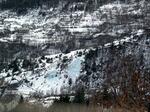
{"x": 51, "y": 75}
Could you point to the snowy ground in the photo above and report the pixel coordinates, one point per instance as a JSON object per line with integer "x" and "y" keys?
{"x": 49, "y": 78}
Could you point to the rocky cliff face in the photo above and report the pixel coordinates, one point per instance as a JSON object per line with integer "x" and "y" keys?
{"x": 111, "y": 64}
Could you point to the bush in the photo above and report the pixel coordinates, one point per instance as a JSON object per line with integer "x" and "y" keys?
{"x": 79, "y": 95}
{"x": 26, "y": 63}
{"x": 21, "y": 99}
{"x": 14, "y": 66}
{"x": 63, "y": 99}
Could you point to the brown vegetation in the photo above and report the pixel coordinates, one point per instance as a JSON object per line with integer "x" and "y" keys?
{"x": 26, "y": 107}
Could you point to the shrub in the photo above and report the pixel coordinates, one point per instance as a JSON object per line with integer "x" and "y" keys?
{"x": 14, "y": 66}
{"x": 79, "y": 95}
{"x": 26, "y": 63}
{"x": 63, "y": 99}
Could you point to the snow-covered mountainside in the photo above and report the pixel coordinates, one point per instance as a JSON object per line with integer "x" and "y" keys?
{"x": 41, "y": 26}
{"x": 68, "y": 27}
{"x": 51, "y": 50}
{"x": 59, "y": 73}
